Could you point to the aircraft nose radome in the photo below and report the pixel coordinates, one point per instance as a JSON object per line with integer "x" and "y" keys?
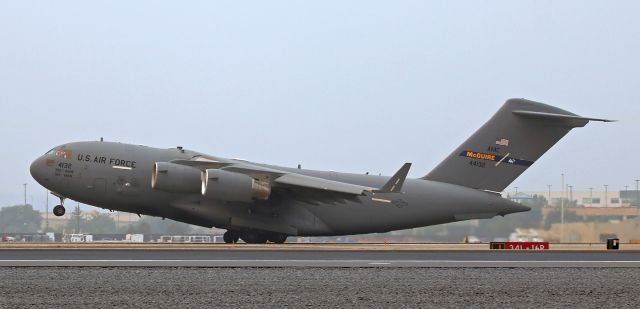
{"x": 36, "y": 169}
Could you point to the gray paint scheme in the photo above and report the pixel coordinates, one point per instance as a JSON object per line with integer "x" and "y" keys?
{"x": 455, "y": 190}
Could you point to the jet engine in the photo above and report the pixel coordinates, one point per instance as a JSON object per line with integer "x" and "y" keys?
{"x": 233, "y": 187}
{"x": 171, "y": 177}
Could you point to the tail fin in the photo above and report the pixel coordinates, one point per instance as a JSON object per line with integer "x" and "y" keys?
{"x": 504, "y": 147}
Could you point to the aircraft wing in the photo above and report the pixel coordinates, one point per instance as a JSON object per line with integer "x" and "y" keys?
{"x": 289, "y": 179}
{"x": 307, "y": 185}
{"x": 308, "y": 182}
{"x": 393, "y": 185}
{"x": 202, "y": 163}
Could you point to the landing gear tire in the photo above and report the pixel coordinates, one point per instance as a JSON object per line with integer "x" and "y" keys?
{"x": 59, "y": 211}
{"x": 231, "y": 237}
{"x": 278, "y": 238}
{"x": 252, "y": 237}
{"x": 227, "y": 238}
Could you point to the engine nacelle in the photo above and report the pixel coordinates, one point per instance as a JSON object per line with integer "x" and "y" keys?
{"x": 171, "y": 177}
{"x": 233, "y": 187}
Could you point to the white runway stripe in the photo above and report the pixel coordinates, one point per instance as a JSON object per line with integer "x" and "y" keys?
{"x": 316, "y": 263}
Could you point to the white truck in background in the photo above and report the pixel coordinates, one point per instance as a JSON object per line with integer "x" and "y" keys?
{"x": 134, "y": 238}
{"x": 77, "y": 238}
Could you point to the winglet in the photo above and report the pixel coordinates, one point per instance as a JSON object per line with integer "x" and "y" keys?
{"x": 394, "y": 185}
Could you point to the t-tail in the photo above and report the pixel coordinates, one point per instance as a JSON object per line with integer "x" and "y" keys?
{"x": 504, "y": 147}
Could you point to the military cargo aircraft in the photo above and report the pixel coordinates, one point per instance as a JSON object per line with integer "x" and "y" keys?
{"x": 261, "y": 203}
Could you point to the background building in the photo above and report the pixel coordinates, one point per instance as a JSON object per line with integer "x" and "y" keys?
{"x": 625, "y": 198}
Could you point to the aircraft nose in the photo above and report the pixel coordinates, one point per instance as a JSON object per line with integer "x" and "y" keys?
{"x": 37, "y": 169}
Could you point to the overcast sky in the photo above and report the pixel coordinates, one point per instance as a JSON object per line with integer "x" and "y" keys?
{"x": 351, "y": 86}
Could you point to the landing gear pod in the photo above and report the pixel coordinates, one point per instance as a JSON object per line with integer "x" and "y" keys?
{"x": 233, "y": 187}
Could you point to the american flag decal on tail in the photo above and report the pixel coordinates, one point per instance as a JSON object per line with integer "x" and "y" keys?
{"x": 502, "y": 142}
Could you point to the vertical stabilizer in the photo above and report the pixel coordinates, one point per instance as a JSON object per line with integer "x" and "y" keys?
{"x": 504, "y": 147}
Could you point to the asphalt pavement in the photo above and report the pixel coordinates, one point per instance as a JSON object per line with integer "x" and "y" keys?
{"x": 315, "y": 258}
{"x": 314, "y": 276}
{"x": 317, "y": 287}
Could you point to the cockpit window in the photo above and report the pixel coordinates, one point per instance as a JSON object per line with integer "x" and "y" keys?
{"x": 61, "y": 152}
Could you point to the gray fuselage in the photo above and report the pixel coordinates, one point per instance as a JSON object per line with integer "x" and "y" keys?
{"x": 117, "y": 176}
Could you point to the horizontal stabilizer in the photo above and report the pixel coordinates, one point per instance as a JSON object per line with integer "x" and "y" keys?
{"x": 570, "y": 120}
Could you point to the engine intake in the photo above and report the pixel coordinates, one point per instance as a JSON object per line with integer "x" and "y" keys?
{"x": 233, "y": 187}
{"x": 171, "y": 177}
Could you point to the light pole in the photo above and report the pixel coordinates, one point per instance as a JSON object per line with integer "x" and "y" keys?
{"x": 46, "y": 214}
{"x": 637, "y": 194}
{"x": 549, "y": 201}
{"x": 570, "y": 193}
{"x": 516, "y": 191}
{"x": 626, "y": 195}
{"x": 78, "y": 218}
{"x": 25, "y": 194}
{"x": 606, "y": 202}
{"x": 562, "y": 211}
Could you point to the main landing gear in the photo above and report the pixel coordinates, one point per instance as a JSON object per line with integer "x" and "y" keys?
{"x": 277, "y": 238}
{"x": 253, "y": 237}
{"x": 231, "y": 237}
{"x": 59, "y": 210}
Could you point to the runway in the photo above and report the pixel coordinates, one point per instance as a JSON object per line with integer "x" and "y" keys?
{"x": 315, "y": 256}
{"x": 313, "y": 287}
{"x": 364, "y": 276}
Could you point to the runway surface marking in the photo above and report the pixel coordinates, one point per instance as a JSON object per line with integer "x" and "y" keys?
{"x": 317, "y": 263}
